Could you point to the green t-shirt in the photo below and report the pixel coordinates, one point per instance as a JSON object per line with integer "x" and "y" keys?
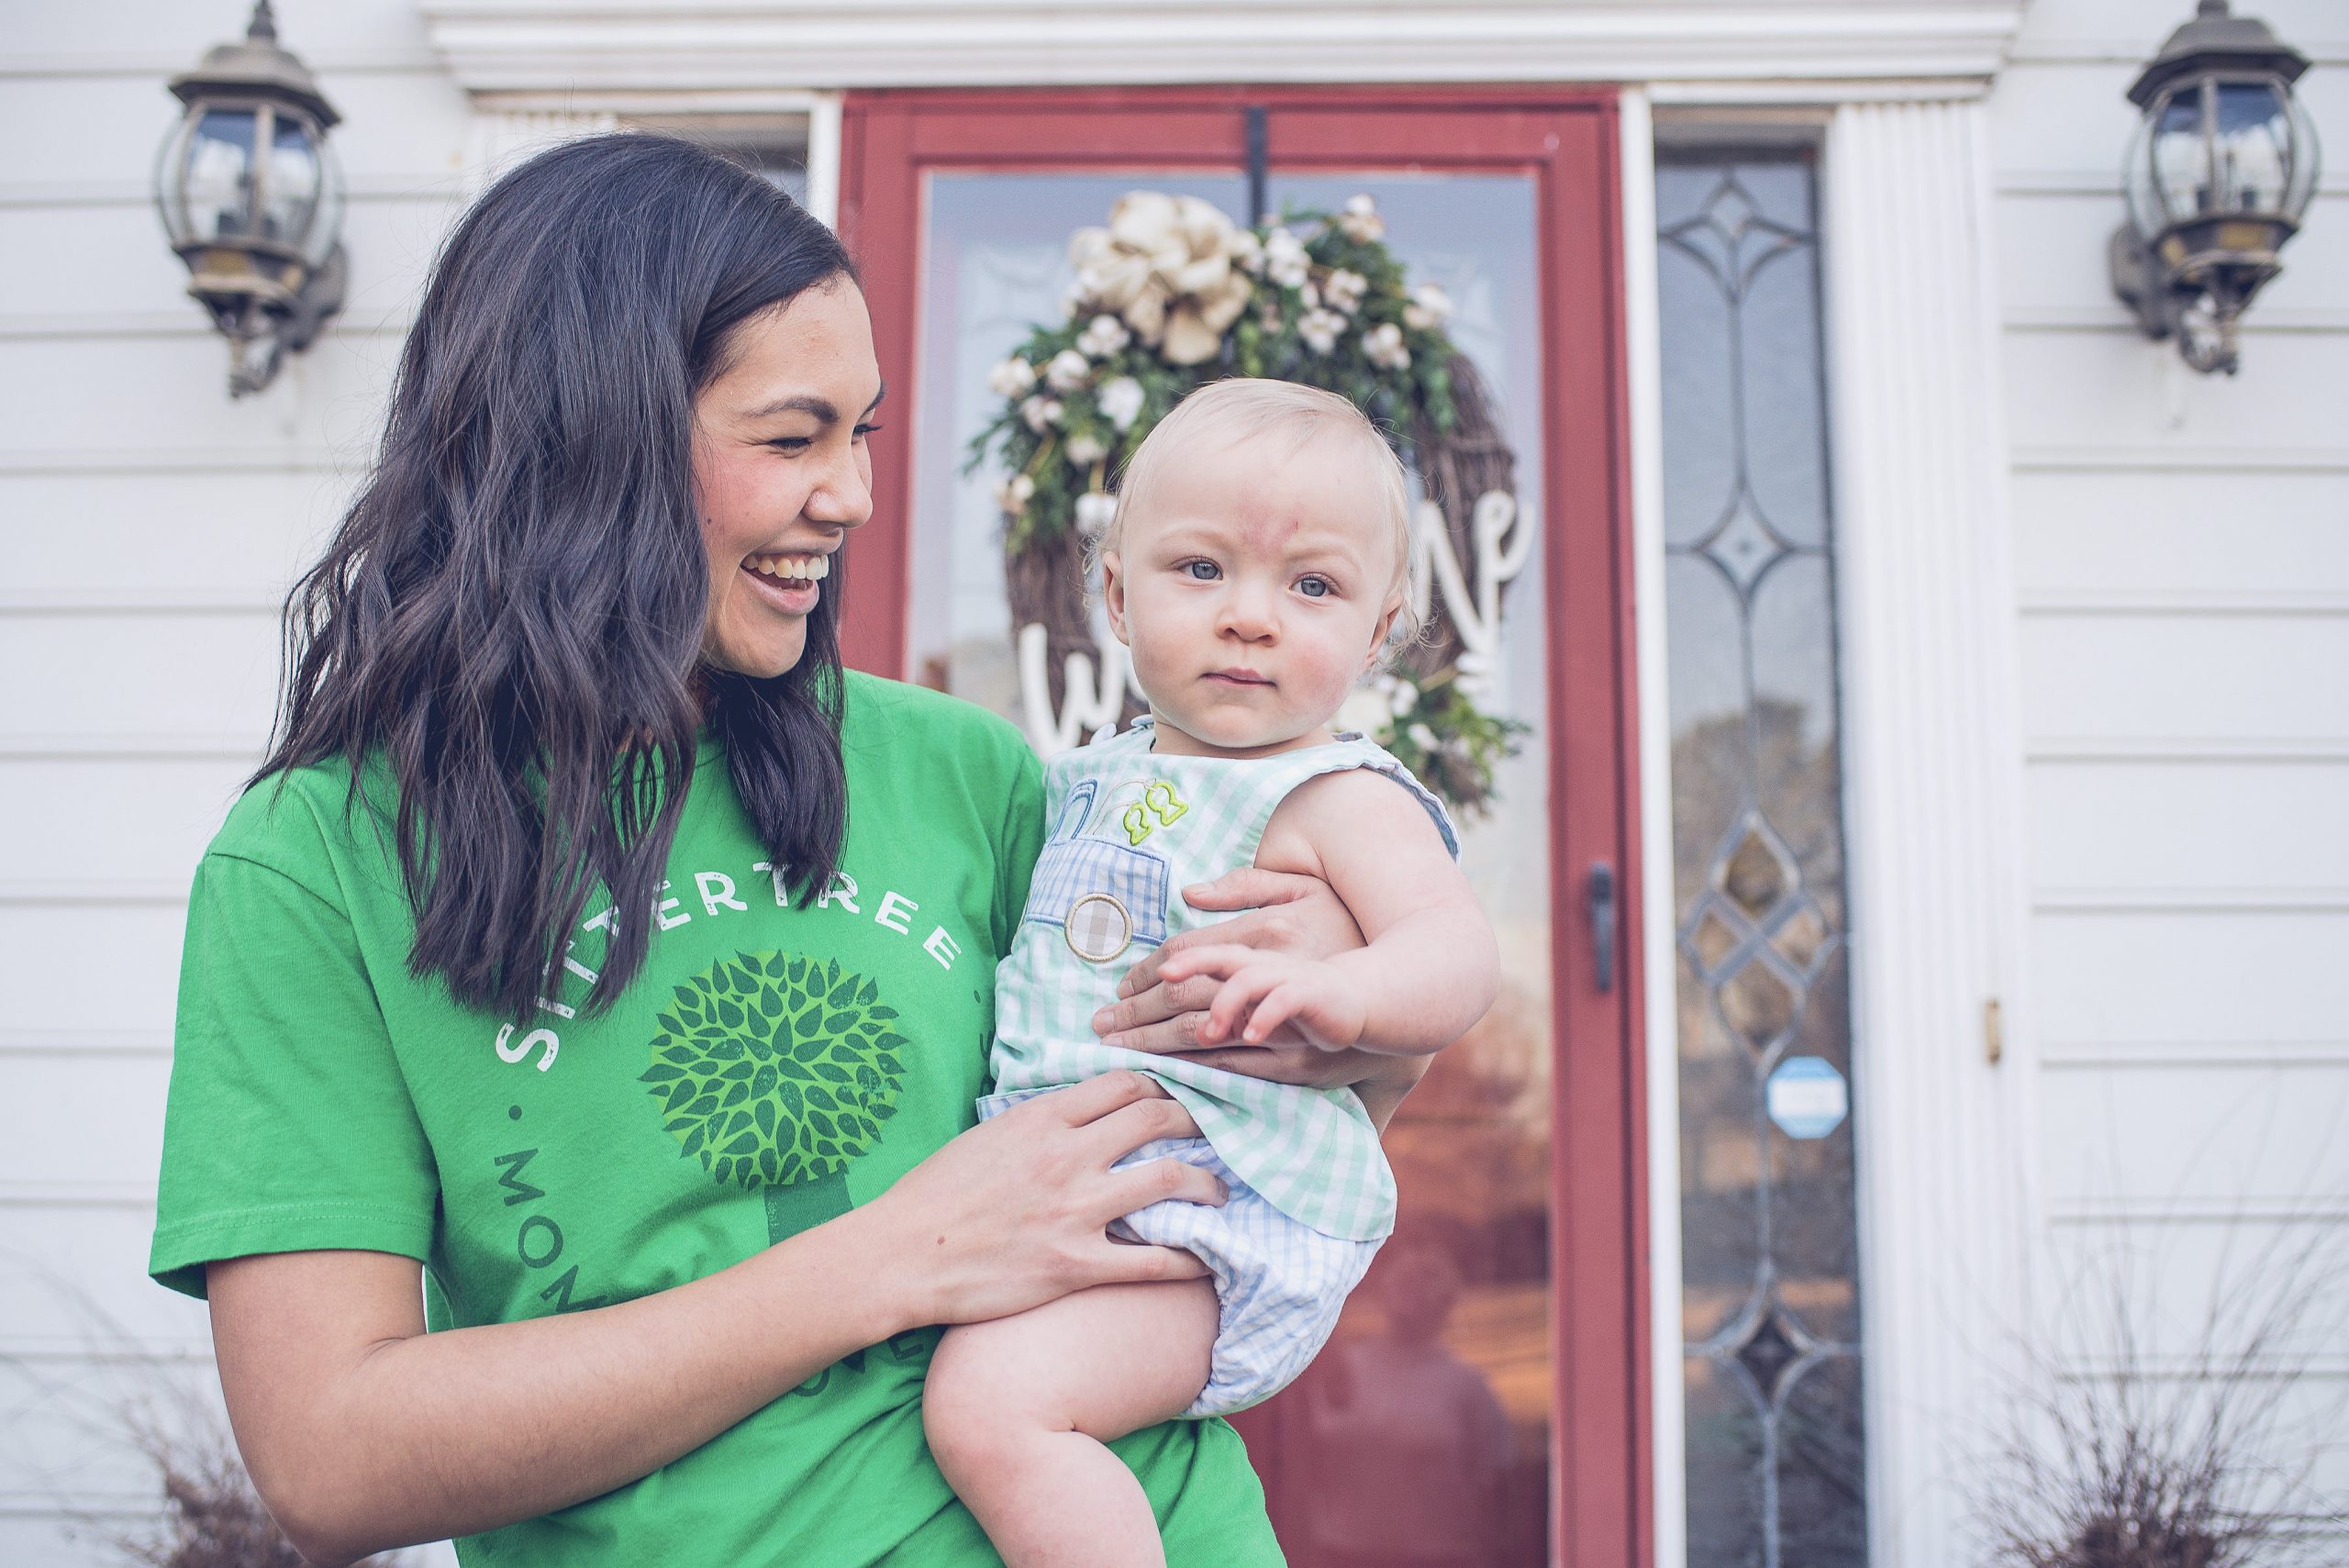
{"x": 770, "y": 1067}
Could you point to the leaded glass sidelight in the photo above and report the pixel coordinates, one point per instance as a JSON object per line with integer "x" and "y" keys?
{"x": 1770, "y": 1297}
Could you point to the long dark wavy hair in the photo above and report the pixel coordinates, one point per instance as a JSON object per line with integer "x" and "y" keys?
{"x": 512, "y": 611}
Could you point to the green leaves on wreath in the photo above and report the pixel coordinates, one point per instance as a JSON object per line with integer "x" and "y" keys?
{"x": 773, "y": 1069}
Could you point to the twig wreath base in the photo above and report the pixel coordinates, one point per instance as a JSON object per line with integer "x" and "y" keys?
{"x": 1172, "y": 295}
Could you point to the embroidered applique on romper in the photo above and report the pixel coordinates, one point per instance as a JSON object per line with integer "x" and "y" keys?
{"x": 1311, "y": 1196}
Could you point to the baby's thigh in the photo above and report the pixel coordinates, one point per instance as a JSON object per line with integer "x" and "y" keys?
{"x": 1102, "y": 1361}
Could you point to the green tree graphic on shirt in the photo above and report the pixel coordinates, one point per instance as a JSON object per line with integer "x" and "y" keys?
{"x": 775, "y": 1072}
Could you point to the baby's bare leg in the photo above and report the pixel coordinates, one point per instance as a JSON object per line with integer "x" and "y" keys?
{"x": 1017, "y": 1410}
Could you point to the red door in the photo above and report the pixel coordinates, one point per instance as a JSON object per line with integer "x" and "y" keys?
{"x": 1484, "y": 1401}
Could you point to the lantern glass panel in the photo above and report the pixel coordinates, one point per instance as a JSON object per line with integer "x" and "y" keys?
{"x": 215, "y": 176}
{"x": 2255, "y": 147}
{"x": 291, "y": 201}
{"x": 2170, "y": 169}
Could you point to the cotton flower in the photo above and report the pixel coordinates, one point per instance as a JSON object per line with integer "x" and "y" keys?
{"x": 1120, "y": 401}
{"x": 1421, "y": 736}
{"x": 1345, "y": 290}
{"x": 1014, "y": 377}
{"x": 1320, "y": 329}
{"x": 1285, "y": 260}
{"x": 1084, "y": 450}
{"x": 1068, "y": 370}
{"x": 1103, "y": 336}
{"x": 1165, "y": 265}
{"x": 1247, "y": 250}
{"x": 1041, "y": 413}
{"x": 1401, "y": 695}
{"x": 1431, "y": 308}
{"x": 1383, "y": 346}
{"x": 1093, "y": 511}
{"x": 1361, "y": 220}
{"x": 1012, "y": 495}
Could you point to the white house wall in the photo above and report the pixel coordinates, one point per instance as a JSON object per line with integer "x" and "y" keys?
{"x": 148, "y": 528}
{"x": 2182, "y": 595}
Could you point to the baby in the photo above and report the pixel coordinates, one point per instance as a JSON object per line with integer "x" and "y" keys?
{"x": 1255, "y": 566}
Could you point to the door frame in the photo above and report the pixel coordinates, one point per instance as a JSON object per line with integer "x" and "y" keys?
{"x": 1568, "y": 140}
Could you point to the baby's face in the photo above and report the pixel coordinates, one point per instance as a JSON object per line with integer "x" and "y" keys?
{"x": 1253, "y": 592}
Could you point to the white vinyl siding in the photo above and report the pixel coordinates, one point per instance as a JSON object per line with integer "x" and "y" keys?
{"x": 148, "y": 529}
{"x": 2182, "y": 583}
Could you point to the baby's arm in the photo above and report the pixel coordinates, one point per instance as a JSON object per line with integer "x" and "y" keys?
{"x": 1431, "y": 969}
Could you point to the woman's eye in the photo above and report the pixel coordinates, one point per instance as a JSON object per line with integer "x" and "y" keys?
{"x": 791, "y": 446}
{"x": 1202, "y": 571}
{"x": 864, "y": 430}
{"x": 1314, "y": 588}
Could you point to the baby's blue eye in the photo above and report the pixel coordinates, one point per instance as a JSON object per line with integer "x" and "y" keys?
{"x": 1314, "y": 588}
{"x": 1203, "y": 570}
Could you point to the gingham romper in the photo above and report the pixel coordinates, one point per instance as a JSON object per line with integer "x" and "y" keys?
{"x": 1310, "y": 1193}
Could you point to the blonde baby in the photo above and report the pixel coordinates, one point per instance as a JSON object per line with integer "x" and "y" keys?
{"x": 1256, "y": 568}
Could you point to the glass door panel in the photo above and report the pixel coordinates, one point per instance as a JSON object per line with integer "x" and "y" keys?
{"x": 1423, "y": 1434}
{"x": 993, "y": 264}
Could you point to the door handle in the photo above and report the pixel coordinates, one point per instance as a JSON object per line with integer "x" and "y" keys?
{"x": 1600, "y": 893}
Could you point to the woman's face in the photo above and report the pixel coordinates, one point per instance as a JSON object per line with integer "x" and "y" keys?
{"x": 782, "y": 473}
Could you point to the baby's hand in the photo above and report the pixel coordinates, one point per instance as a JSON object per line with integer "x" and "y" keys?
{"x": 1268, "y": 990}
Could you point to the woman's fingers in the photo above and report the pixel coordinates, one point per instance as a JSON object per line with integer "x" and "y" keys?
{"x": 1121, "y": 1131}
{"x": 1156, "y": 1181}
{"x": 1124, "y": 1263}
{"x": 1156, "y": 1005}
{"x": 1251, "y": 888}
{"x": 1095, "y": 1098}
{"x": 1224, "y": 959}
{"x": 1254, "y": 929}
{"x": 1304, "y": 1065}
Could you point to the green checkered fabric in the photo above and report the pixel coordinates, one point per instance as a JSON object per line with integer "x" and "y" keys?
{"x": 1131, "y": 829}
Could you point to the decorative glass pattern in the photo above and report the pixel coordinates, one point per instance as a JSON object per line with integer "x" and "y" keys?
{"x": 1770, "y": 1298}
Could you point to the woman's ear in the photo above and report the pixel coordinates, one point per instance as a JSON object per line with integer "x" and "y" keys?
{"x": 1113, "y": 592}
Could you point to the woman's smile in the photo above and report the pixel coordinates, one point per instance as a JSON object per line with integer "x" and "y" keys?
{"x": 789, "y": 583}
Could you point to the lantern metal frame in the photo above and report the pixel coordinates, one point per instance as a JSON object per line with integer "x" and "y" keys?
{"x": 269, "y": 296}
{"x": 2191, "y": 277}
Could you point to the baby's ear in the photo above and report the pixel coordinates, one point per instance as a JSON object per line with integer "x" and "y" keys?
{"x": 1113, "y": 592}
{"x": 1386, "y": 629}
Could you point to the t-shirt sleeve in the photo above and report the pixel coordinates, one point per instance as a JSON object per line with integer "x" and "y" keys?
{"x": 1018, "y": 844}
{"x": 289, "y": 1126}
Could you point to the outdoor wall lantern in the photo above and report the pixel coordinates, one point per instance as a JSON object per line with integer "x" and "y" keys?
{"x": 252, "y": 200}
{"x": 2218, "y": 174}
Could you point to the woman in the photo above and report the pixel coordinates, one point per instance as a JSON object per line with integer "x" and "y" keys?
{"x": 592, "y": 939}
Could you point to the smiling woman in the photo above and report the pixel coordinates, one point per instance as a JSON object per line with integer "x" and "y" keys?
{"x": 533, "y": 958}
{"x": 780, "y": 474}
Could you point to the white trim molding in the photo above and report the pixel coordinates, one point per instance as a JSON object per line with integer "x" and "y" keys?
{"x": 1643, "y": 340}
{"x": 592, "y": 47}
{"x": 1933, "y": 753}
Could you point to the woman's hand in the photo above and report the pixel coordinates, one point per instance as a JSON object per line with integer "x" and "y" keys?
{"x": 1282, "y": 914}
{"x": 1014, "y": 1212}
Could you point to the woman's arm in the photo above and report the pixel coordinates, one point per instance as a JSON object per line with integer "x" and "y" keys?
{"x": 1271, "y": 912}
{"x": 363, "y": 1432}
